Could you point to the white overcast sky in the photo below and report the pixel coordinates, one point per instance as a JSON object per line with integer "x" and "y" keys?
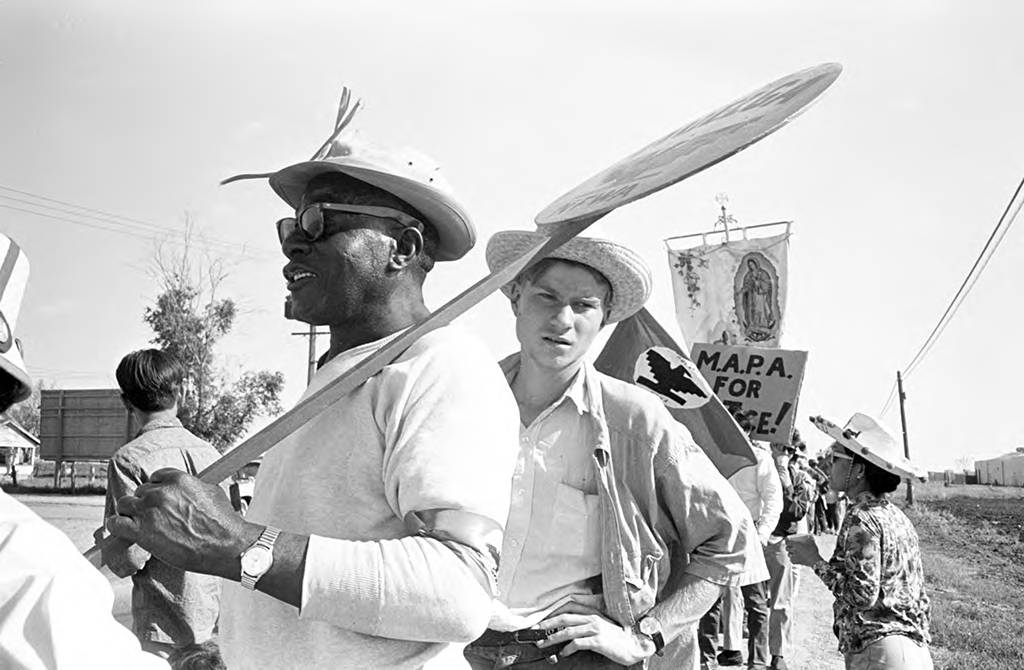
{"x": 894, "y": 179}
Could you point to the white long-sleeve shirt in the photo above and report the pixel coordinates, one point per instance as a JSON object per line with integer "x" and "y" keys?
{"x": 54, "y": 605}
{"x": 436, "y": 429}
{"x": 760, "y": 490}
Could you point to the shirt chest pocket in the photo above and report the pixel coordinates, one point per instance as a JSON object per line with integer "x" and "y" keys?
{"x": 575, "y": 527}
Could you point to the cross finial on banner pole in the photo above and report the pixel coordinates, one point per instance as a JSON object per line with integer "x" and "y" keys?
{"x": 724, "y": 219}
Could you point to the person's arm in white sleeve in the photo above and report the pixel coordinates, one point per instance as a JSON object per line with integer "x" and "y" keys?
{"x": 769, "y": 486}
{"x": 55, "y": 607}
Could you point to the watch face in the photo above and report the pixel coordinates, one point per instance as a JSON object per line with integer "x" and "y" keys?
{"x": 649, "y": 626}
{"x": 256, "y": 561}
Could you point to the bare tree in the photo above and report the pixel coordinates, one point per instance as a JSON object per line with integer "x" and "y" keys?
{"x": 188, "y": 319}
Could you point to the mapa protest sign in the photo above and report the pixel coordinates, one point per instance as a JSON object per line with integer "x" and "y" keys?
{"x": 764, "y": 380}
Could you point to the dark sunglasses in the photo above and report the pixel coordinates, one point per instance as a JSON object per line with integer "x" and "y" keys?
{"x": 310, "y": 219}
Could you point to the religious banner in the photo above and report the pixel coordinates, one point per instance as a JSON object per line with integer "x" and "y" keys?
{"x": 733, "y": 292}
{"x": 640, "y": 351}
{"x": 748, "y": 378}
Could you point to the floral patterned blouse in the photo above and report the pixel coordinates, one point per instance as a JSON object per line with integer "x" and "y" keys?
{"x": 876, "y": 576}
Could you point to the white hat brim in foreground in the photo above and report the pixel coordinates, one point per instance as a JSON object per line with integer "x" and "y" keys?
{"x": 625, "y": 270}
{"x": 456, "y": 234}
{"x": 887, "y": 459}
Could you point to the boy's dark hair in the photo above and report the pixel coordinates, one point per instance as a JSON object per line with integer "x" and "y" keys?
{"x": 879, "y": 481}
{"x": 150, "y": 379}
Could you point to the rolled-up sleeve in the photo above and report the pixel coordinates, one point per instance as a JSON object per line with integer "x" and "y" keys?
{"x": 713, "y": 525}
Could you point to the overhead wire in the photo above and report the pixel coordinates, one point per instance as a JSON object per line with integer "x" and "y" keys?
{"x": 92, "y": 218}
{"x": 1000, "y": 230}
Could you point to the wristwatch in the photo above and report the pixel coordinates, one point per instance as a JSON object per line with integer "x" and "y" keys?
{"x": 651, "y": 628}
{"x": 257, "y": 559}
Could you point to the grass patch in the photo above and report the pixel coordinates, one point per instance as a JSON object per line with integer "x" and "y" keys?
{"x": 975, "y": 579}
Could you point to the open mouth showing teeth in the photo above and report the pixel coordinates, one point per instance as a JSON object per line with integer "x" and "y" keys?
{"x": 301, "y": 274}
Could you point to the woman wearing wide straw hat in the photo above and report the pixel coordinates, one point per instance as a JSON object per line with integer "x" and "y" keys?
{"x": 881, "y": 609}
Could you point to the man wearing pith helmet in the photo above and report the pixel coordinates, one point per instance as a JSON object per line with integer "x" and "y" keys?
{"x": 609, "y": 490}
{"x": 374, "y": 529}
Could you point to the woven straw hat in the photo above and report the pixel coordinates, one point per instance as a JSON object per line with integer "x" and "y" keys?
{"x": 628, "y": 274}
{"x": 872, "y": 440}
{"x": 405, "y": 173}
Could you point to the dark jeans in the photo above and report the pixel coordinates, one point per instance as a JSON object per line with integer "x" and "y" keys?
{"x": 527, "y": 656}
{"x": 820, "y": 520}
{"x": 832, "y": 514}
{"x": 755, "y": 602}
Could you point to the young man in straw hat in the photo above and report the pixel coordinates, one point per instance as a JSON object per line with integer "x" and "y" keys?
{"x": 875, "y": 574}
{"x": 609, "y": 490}
{"x": 374, "y": 529}
{"x": 56, "y": 606}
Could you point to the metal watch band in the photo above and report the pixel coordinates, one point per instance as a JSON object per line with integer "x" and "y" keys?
{"x": 266, "y": 540}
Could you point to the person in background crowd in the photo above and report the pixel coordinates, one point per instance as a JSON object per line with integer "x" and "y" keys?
{"x": 785, "y": 577}
{"x": 881, "y": 608}
{"x": 170, "y": 607}
{"x": 610, "y": 493}
{"x": 761, "y": 491}
{"x": 55, "y": 607}
{"x": 820, "y": 505}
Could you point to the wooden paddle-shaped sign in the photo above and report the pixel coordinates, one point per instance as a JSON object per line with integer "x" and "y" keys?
{"x": 701, "y": 144}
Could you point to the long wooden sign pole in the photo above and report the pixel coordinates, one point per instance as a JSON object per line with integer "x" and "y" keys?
{"x": 699, "y": 145}
{"x": 312, "y": 406}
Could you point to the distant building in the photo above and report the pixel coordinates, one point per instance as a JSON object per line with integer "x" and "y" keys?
{"x": 1005, "y": 470}
{"x": 18, "y": 447}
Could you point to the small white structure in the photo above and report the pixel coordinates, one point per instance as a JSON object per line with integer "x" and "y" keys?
{"x": 1005, "y": 470}
{"x": 18, "y": 447}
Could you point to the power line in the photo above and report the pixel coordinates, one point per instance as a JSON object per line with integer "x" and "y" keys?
{"x": 888, "y": 401}
{"x": 124, "y": 225}
{"x": 1002, "y": 227}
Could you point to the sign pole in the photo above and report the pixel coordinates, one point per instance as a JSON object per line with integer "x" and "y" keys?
{"x": 906, "y": 445}
{"x": 669, "y": 160}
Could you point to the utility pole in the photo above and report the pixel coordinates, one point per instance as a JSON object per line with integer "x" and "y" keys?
{"x": 906, "y": 445}
{"x": 311, "y": 362}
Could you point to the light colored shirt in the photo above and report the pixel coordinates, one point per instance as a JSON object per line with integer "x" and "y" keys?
{"x": 552, "y": 547}
{"x": 436, "y": 429}
{"x": 55, "y": 607}
{"x": 169, "y": 605}
{"x": 761, "y": 491}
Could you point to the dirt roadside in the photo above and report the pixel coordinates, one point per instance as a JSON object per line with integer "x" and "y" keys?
{"x": 814, "y": 644}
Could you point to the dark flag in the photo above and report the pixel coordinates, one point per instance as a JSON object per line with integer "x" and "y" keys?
{"x": 640, "y": 351}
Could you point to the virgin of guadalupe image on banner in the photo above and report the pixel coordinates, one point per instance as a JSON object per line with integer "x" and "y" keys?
{"x": 733, "y": 292}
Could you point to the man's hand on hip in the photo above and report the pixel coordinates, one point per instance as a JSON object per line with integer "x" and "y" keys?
{"x": 186, "y": 523}
{"x": 586, "y": 629}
